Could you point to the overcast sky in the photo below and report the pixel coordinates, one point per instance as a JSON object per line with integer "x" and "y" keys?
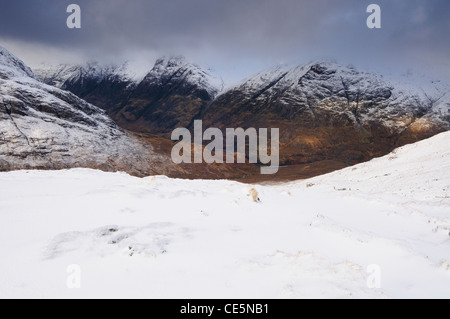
{"x": 235, "y": 37}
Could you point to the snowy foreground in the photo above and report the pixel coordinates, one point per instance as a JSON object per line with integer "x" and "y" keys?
{"x": 163, "y": 238}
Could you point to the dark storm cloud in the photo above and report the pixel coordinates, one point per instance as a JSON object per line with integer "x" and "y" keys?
{"x": 237, "y": 32}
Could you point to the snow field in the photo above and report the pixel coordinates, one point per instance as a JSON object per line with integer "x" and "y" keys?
{"x": 162, "y": 238}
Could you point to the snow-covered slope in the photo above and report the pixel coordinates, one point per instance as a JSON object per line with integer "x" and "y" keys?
{"x": 65, "y": 76}
{"x": 44, "y": 127}
{"x": 158, "y": 237}
{"x": 11, "y": 66}
{"x": 362, "y": 96}
{"x": 175, "y": 69}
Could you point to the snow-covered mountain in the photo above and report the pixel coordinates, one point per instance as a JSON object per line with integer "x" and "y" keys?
{"x": 177, "y": 70}
{"x": 166, "y": 70}
{"x": 329, "y": 112}
{"x": 44, "y": 127}
{"x": 335, "y": 236}
{"x": 66, "y": 76}
{"x": 329, "y": 115}
{"x": 168, "y": 96}
{"x": 342, "y": 91}
{"x": 12, "y": 67}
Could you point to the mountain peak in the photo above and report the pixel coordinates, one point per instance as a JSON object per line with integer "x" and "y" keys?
{"x": 171, "y": 61}
{"x": 11, "y": 66}
{"x": 171, "y": 69}
{"x": 63, "y": 75}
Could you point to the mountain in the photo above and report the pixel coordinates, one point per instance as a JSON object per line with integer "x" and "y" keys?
{"x": 47, "y": 128}
{"x": 332, "y": 114}
{"x": 170, "y": 95}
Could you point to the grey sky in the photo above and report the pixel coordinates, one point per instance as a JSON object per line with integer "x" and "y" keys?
{"x": 236, "y": 37}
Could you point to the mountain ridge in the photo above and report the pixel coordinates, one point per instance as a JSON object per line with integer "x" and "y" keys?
{"x": 330, "y": 116}
{"x": 151, "y": 104}
{"x": 328, "y": 112}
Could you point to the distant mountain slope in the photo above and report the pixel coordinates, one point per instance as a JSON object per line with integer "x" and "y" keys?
{"x": 171, "y": 95}
{"x": 44, "y": 127}
{"x": 329, "y": 112}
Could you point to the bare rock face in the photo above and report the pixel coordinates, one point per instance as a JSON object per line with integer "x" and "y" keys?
{"x": 327, "y": 112}
{"x": 43, "y": 127}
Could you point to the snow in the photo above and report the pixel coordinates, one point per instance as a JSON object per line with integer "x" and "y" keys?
{"x": 342, "y": 88}
{"x": 171, "y": 68}
{"x": 61, "y": 74}
{"x": 164, "y": 238}
{"x": 11, "y": 66}
{"x": 163, "y": 69}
